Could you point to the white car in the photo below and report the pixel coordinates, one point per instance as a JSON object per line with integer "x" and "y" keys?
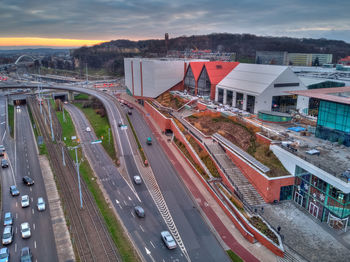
{"x": 88, "y": 129}
{"x": 25, "y": 201}
{"x": 168, "y": 239}
{"x": 137, "y": 180}
{"x": 41, "y": 204}
{"x": 25, "y": 230}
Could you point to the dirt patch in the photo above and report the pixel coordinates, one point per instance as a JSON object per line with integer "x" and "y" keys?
{"x": 263, "y": 228}
{"x": 169, "y": 100}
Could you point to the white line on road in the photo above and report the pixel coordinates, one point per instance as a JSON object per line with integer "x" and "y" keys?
{"x": 16, "y": 215}
{"x": 124, "y": 202}
{"x": 142, "y": 228}
{"x": 129, "y": 198}
{"x": 16, "y": 204}
{"x": 34, "y": 226}
{"x": 30, "y": 190}
{"x": 15, "y": 247}
{"x": 3, "y": 136}
{"x": 33, "y": 211}
{"x": 34, "y": 244}
{"x": 152, "y": 244}
{"x": 118, "y": 203}
{"x": 31, "y": 199}
{"x": 16, "y": 230}
{"x": 132, "y": 213}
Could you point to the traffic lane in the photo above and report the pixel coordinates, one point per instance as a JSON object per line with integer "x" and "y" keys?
{"x": 194, "y": 231}
{"x": 145, "y": 232}
{"x": 42, "y": 240}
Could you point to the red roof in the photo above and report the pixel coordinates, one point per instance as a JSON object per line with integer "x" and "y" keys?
{"x": 345, "y": 59}
{"x": 217, "y": 70}
{"x": 196, "y": 69}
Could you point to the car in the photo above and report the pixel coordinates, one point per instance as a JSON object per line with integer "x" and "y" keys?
{"x": 129, "y": 112}
{"x": 168, "y": 239}
{"x": 8, "y": 219}
{"x": 2, "y": 148}
{"x": 4, "y": 254}
{"x": 14, "y": 191}
{"x": 25, "y": 230}
{"x": 26, "y": 255}
{"x": 18, "y": 107}
{"x": 7, "y": 235}
{"x": 139, "y": 211}
{"x": 88, "y": 129}
{"x": 41, "y": 204}
{"x": 137, "y": 180}
{"x": 28, "y": 181}
{"x": 4, "y": 163}
{"x": 25, "y": 201}
{"x": 120, "y": 123}
{"x": 149, "y": 141}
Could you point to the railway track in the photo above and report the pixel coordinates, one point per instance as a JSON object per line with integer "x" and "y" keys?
{"x": 90, "y": 236}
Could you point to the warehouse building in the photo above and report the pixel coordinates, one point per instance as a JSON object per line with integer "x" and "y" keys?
{"x": 252, "y": 87}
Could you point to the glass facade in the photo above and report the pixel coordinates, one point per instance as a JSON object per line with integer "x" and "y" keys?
{"x": 333, "y": 122}
{"x": 321, "y": 199}
{"x": 190, "y": 82}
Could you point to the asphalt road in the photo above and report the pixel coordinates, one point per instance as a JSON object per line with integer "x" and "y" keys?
{"x": 23, "y": 161}
{"x": 199, "y": 242}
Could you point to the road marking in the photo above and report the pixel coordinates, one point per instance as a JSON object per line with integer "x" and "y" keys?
{"x": 113, "y": 183}
{"x": 27, "y": 166}
{"x": 16, "y": 204}
{"x": 124, "y": 202}
{"x": 34, "y": 244}
{"x": 152, "y": 244}
{"x": 16, "y": 215}
{"x": 142, "y": 228}
{"x": 31, "y": 197}
{"x": 119, "y": 204}
{"x": 16, "y": 230}
{"x": 33, "y": 211}
{"x": 15, "y": 247}
{"x": 129, "y": 198}
{"x": 30, "y": 191}
{"x": 132, "y": 213}
{"x": 3, "y": 136}
{"x": 34, "y": 226}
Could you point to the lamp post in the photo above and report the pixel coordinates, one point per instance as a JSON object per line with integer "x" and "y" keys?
{"x": 77, "y": 164}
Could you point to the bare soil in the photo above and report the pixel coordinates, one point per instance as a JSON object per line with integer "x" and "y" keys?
{"x": 169, "y": 100}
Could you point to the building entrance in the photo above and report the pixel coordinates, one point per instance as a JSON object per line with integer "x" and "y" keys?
{"x": 314, "y": 209}
{"x": 298, "y": 198}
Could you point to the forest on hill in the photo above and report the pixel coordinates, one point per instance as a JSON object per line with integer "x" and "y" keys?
{"x": 110, "y": 55}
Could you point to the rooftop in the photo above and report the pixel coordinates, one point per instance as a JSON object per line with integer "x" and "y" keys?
{"x": 337, "y": 94}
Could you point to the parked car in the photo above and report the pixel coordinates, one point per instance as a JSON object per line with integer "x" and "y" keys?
{"x": 25, "y": 230}
{"x": 137, "y": 180}
{"x": 2, "y": 150}
{"x": 4, "y": 254}
{"x": 8, "y": 219}
{"x": 88, "y": 129}
{"x": 4, "y": 163}
{"x": 7, "y": 235}
{"x": 25, "y": 201}
{"x": 18, "y": 107}
{"x": 26, "y": 255}
{"x": 41, "y": 204}
{"x": 149, "y": 141}
{"x": 14, "y": 191}
{"x": 28, "y": 181}
{"x": 139, "y": 211}
{"x": 168, "y": 239}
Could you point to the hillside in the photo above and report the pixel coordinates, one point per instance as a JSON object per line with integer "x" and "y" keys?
{"x": 110, "y": 55}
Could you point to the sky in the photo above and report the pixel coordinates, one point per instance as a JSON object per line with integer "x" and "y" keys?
{"x": 70, "y": 23}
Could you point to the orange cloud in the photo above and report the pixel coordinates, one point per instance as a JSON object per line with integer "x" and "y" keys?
{"x": 37, "y": 41}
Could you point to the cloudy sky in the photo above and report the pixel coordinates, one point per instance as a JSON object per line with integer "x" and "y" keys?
{"x": 103, "y": 20}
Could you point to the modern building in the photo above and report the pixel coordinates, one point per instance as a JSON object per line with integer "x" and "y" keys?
{"x": 295, "y": 59}
{"x": 253, "y": 87}
{"x": 145, "y": 77}
{"x": 333, "y": 121}
{"x": 202, "y": 77}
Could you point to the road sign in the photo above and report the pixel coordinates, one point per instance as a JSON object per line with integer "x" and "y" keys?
{"x": 96, "y": 142}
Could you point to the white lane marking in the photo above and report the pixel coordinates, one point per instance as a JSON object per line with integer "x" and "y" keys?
{"x": 27, "y": 166}
{"x": 16, "y": 204}
{"x": 16, "y": 230}
{"x": 113, "y": 183}
{"x": 118, "y": 203}
{"x": 31, "y": 199}
{"x": 34, "y": 244}
{"x": 124, "y": 202}
{"x": 15, "y": 247}
{"x": 33, "y": 211}
{"x": 132, "y": 213}
{"x": 30, "y": 190}
{"x": 152, "y": 244}
{"x": 34, "y": 226}
{"x": 142, "y": 228}
{"x": 3, "y": 136}
{"x": 129, "y": 198}
{"x": 16, "y": 215}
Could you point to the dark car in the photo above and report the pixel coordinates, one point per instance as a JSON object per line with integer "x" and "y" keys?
{"x": 28, "y": 181}
{"x": 129, "y": 112}
{"x": 14, "y": 191}
{"x": 139, "y": 211}
{"x": 26, "y": 255}
{"x": 4, "y": 163}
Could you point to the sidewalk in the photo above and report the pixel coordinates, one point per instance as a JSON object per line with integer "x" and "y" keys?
{"x": 209, "y": 207}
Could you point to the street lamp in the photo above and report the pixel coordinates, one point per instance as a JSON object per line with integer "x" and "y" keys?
{"x": 77, "y": 164}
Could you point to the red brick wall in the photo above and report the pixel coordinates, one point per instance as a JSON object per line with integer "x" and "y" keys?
{"x": 262, "y": 139}
{"x": 162, "y": 121}
{"x": 268, "y": 189}
{"x": 201, "y": 106}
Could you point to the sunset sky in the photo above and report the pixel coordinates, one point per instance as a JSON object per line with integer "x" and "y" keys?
{"x": 87, "y": 22}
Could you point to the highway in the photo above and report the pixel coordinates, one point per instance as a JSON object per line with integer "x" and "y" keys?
{"x": 175, "y": 206}
{"x": 24, "y": 161}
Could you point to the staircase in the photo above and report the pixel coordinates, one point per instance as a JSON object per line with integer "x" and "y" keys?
{"x": 234, "y": 174}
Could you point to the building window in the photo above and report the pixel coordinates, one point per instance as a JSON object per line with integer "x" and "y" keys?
{"x": 250, "y": 104}
{"x": 239, "y": 100}
{"x": 229, "y": 96}
{"x": 220, "y": 95}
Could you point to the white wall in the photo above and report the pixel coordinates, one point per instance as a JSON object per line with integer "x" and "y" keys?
{"x": 127, "y": 71}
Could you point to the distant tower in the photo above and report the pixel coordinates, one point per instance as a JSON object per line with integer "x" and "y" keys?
{"x": 166, "y": 42}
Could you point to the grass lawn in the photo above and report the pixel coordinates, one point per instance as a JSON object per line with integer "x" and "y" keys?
{"x": 81, "y": 97}
{"x": 100, "y": 126}
{"x": 11, "y": 116}
{"x": 234, "y": 257}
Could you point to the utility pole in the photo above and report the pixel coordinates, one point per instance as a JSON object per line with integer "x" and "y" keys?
{"x": 52, "y": 134}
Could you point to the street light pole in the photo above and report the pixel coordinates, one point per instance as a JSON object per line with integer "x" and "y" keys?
{"x": 77, "y": 166}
